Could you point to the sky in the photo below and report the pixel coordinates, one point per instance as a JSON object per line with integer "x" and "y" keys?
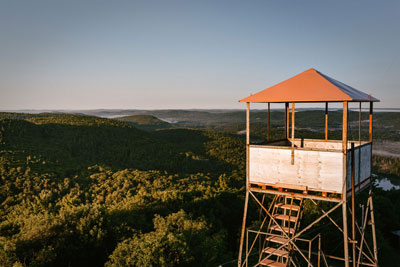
{"x": 189, "y": 54}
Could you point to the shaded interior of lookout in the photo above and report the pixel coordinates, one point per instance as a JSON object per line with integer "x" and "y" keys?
{"x": 309, "y": 122}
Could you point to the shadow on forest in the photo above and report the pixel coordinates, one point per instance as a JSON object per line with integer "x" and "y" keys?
{"x": 64, "y": 148}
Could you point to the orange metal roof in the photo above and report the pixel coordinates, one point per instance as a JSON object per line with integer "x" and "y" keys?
{"x": 309, "y": 86}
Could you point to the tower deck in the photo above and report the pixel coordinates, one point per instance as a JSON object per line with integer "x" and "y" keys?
{"x": 309, "y": 165}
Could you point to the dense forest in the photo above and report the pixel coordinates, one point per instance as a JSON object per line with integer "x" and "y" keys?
{"x": 78, "y": 190}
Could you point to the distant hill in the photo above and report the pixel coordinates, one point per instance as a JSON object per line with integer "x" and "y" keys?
{"x": 62, "y": 118}
{"x": 145, "y": 122}
{"x": 309, "y": 123}
{"x": 64, "y": 142}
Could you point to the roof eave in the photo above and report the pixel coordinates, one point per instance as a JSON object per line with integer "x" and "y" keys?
{"x": 308, "y": 101}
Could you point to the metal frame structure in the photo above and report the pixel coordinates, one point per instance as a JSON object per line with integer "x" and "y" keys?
{"x": 361, "y": 254}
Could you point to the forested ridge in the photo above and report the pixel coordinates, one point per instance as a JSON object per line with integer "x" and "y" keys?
{"x": 77, "y": 190}
{"x": 145, "y": 122}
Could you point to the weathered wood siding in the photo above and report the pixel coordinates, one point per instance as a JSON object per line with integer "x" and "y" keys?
{"x": 318, "y": 170}
{"x": 319, "y": 144}
{"x": 322, "y": 144}
{"x": 364, "y": 165}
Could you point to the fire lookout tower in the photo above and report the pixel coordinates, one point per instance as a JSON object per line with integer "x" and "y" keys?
{"x": 297, "y": 170}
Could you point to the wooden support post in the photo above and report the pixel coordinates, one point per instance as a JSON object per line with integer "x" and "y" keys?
{"x": 268, "y": 121}
{"x": 326, "y": 121}
{"x": 373, "y": 230}
{"x": 293, "y": 113}
{"x": 319, "y": 250}
{"x": 247, "y": 247}
{"x": 292, "y": 137}
{"x": 359, "y": 125}
{"x": 247, "y": 182}
{"x": 287, "y": 121}
{"x": 353, "y": 218}
{"x": 344, "y": 133}
{"x": 243, "y": 228}
{"x": 371, "y": 106}
{"x": 247, "y": 142}
{"x": 344, "y": 190}
{"x": 345, "y": 234}
{"x": 359, "y": 151}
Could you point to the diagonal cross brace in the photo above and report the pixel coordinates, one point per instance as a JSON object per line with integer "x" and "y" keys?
{"x": 341, "y": 230}
{"x": 297, "y": 235}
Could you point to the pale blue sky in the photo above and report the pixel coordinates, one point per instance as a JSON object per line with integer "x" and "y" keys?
{"x": 189, "y": 54}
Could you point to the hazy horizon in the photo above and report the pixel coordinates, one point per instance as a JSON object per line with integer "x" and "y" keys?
{"x": 364, "y": 109}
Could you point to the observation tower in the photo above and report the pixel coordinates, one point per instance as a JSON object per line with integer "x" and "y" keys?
{"x": 296, "y": 170}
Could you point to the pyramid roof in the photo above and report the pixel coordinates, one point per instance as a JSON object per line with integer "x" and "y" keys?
{"x": 310, "y": 86}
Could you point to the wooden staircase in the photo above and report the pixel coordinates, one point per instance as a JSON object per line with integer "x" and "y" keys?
{"x": 287, "y": 212}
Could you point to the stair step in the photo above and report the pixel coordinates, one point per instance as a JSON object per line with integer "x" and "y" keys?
{"x": 277, "y": 239}
{"x": 272, "y": 263}
{"x": 285, "y": 217}
{"x": 277, "y": 252}
{"x": 287, "y": 206}
{"x": 286, "y": 229}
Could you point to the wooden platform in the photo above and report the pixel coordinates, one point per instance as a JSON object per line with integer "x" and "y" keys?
{"x": 295, "y": 191}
